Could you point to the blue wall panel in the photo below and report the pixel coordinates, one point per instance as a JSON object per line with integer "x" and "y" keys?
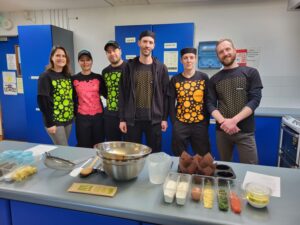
{"x": 13, "y": 106}
{"x": 123, "y": 32}
{"x": 180, "y": 33}
{"x": 33, "y": 214}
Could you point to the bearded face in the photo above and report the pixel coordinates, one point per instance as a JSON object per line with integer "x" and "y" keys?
{"x": 226, "y": 53}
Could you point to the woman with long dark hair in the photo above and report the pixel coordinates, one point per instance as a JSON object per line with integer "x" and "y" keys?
{"x": 55, "y": 96}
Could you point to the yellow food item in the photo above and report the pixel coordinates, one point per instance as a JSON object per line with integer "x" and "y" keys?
{"x": 23, "y": 172}
{"x": 261, "y": 200}
{"x": 208, "y": 196}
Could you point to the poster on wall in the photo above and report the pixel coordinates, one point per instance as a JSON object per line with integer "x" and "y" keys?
{"x": 9, "y": 83}
{"x": 11, "y": 61}
{"x": 253, "y": 57}
{"x": 171, "y": 60}
{"x": 241, "y": 57}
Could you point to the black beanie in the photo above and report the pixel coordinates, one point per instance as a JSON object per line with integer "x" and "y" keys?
{"x": 147, "y": 33}
{"x": 188, "y": 50}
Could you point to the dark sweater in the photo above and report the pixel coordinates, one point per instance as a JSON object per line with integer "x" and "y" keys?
{"x": 127, "y": 98}
{"x": 55, "y": 98}
{"x": 112, "y": 77}
{"x": 233, "y": 89}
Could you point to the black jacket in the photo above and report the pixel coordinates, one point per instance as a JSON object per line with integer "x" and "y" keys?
{"x": 127, "y": 106}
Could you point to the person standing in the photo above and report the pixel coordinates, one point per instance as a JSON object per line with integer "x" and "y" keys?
{"x": 55, "y": 96}
{"x": 143, "y": 96}
{"x": 234, "y": 94}
{"x": 189, "y": 116}
{"x": 88, "y": 87}
{"x": 112, "y": 75}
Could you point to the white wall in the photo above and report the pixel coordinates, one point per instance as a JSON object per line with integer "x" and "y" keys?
{"x": 265, "y": 24}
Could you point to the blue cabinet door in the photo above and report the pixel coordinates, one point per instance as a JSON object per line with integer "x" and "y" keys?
{"x": 5, "y": 217}
{"x": 171, "y": 38}
{"x": 127, "y": 37}
{"x": 34, "y": 214}
{"x": 35, "y": 46}
{"x": 267, "y": 139}
{"x": 13, "y": 106}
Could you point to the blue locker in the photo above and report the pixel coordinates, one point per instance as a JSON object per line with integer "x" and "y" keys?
{"x": 13, "y": 106}
{"x": 127, "y": 37}
{"x": 36, "y": 42}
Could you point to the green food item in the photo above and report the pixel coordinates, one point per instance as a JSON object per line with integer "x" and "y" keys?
{"x": 223, "y": 200}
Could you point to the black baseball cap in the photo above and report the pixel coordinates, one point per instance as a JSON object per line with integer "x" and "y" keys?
{"x": 147, "y": 33}
{"x": 111, "y": 43}
{"x": 86, "y": 53}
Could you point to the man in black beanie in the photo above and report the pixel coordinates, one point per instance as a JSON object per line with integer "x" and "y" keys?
{"x": 143, "y": 96}
{"x": 189, "y": 116}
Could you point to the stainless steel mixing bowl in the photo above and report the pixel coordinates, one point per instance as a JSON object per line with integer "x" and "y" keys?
{"x": 123, "y": 170}
{"x": 121, "y": 150}
{"x": 122, "y": 160}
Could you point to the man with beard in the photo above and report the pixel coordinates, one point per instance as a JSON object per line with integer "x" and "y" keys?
{"x": 234, "y": 94}
{"x": 112, "y": 75}
{"x": 143, "y": 96}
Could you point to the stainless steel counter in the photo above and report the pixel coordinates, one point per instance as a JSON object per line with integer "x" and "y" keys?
{"x": 142, "y": 201}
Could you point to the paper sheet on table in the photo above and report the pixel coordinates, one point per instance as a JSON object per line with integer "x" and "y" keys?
{"x": 270, "y": 181}
{"x": 38, "y": 150}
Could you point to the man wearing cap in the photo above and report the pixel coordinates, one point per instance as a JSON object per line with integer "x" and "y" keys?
{"x": 143, "y": 96}
{"x": 87, "y": 89}
{"x": 189, "y": 116}
{"x": 112, "y": 75}
{"x": 234, "y": 94}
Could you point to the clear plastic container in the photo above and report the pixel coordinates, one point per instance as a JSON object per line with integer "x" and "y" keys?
{"x": 12, "y": 161}
{"x": 170, "y": 186}
{"x": 183, "y": 187}
{"x": 223, "y": 194}
{"x": 257, "y": 195}
{"x": 197, "y": 187}
{"x": 208, "y": 192}
{"x": 158, "y": 167}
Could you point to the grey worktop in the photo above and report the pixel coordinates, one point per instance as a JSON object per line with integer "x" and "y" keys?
{"x": 142, "y": 201}
{"x": 277, "y": 112}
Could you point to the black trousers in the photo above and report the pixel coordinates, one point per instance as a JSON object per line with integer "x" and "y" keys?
{"x": 151, "y": 131}
{"x": 112, "y": 130}
{"x": 194, "y": 133}
{"x": 89, "y": 130}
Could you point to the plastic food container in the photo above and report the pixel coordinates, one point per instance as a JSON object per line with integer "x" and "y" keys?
{"x": 223, "y": 194}
{"x": 197, "y": 187}
{"x": 208, "y": 192}
{"x": 257, "y": 195}
{"x": 183, "y": 187}
{"x": 158, "y": 166}
{"x": 170, "y": 186}
{"x": 16, "y": 162}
